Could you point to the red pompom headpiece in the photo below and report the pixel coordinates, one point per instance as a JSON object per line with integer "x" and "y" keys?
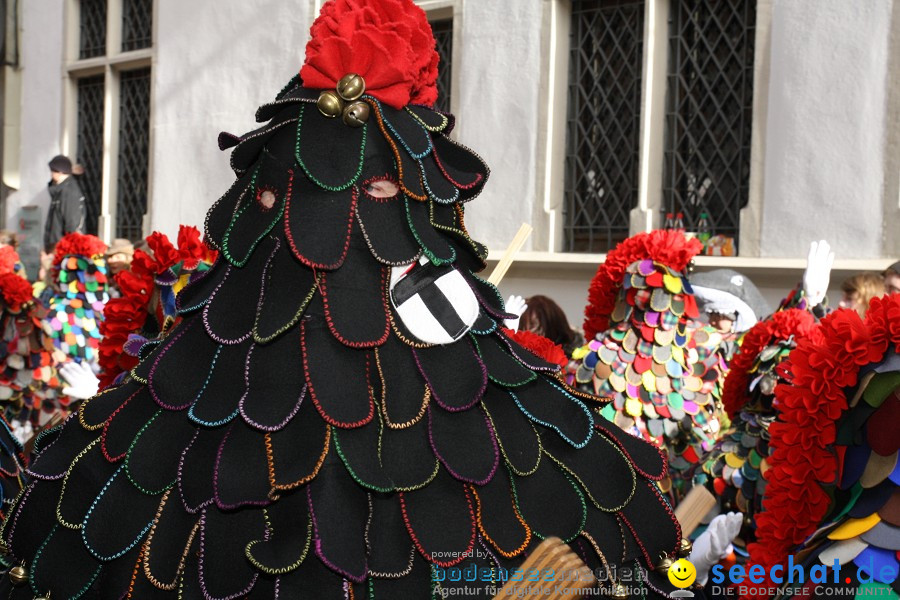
{"x": 78, "y": 244}
{"x": 16, "y": 291}
{"x": 666, "y": 247}
{"x": 388, "y": 43}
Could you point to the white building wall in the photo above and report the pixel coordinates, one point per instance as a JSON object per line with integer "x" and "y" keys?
{"x": 825, "y": 147}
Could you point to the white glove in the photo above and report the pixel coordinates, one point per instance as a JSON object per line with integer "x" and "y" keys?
{"x": 514, "y": 305}
{"x": 818, "y": 272}
{"x": 714, "y": 544}
{"x": 81, "y": 379}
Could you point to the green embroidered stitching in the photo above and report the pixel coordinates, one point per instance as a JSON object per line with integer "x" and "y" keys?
{"x": 588, "y": 492}
{"x": 532, "y": 374}
{"x": 583, "y": 509}
{"x": 288, "y": 568}
{"x": 127, "y": 464}
{"x": 62, "y": 491}
{"x": 294, "y": 320}
{"x": 225, "y": 246}
{"x": 503, "y": 450}
{"x": 313, "y": 178}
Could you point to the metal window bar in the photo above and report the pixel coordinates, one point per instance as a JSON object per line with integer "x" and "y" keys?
{"x": 443, "y": 36}
{"x": 709, "y": 112}
{"x": 89, "y": 141}
{"x": 92, "y": 28}
{"x": 134, "y": 149}
{"x": 603, "y": 122}
{"x": 137, "y": 24}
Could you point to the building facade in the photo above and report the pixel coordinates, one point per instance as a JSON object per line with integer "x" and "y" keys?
{"x": 768, "y": 122}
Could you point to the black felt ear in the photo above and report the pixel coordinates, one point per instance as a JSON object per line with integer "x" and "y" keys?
{"x": 438, "y": 250}
{"x": 318, "y": 224}
{"x": 355, "y": 298}
{"x": 407, "y": 456}
{"x": 403, "y": 391}
{"x": 182, "y": 368}
{"x": 231, "y": 311}
{"x": 454, "y": 372}
{"x": 297, "y": 451}
{"x": 219, "y": 216}
{"x": 502, "y": 367}
{"x": 460, "y": 166}
{"x": 251, "y": 144}
{"x": 289, "y": 542}
{"x": 550, "y": 486}
{"x": 275, "y": 384}
{"x": 196, "y": 468}
{"x": 298, "y": 95}
{"x": 499, "y": 519}
{"x": 386, "y": 231}
{"x": 329, "y": 152}
{"x": 241, "y": 475}
{"x": 547, "y": 404}
{"x": 195, "y": 294}
{"x": 343, "y": 402}
{"x": 440, "y": 519}
{"x": 358, "y": 449}
{"x": 339, "y": 509}
{"x": 109, "y": 531}
{"x": 169, "y": 540}
{"x": 465, "y": 444}
{"x": 516, "y": 436}
{"x": 64, "y": 547}
{"x": 224, "y": 569}
{"x": 152, "y": 460}
{"x": 287, "y": 289}
{"x": 389, "y": 548}
{"x": 431, "y": 119}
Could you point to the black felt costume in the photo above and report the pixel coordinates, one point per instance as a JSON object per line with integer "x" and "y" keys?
{"x": 290, "y": 439}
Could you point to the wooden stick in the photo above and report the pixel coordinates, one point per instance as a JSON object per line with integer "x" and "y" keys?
{"x": 691, "y": 510}
{"x": 560, "y": 573}
{"x": 514, "y": 246}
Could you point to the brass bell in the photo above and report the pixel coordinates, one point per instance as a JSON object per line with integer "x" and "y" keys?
{"x": 351, "y": 87}
{"x": 619, "y": 591}
{"x": 662, "y": 567}
{"x": 330, "y": 104}
{"x": 356, "y": 114}
{"x": 685, "y": 547}
{"x": 44, "y": 597}
{"x": 18, "y": 574}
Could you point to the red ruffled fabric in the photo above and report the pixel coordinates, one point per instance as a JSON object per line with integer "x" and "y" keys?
{"x": 387, "y": 42}
{"x": 819, "y": 371}
{"x": 78, "y": 244}
{"x": 8, "y": 259}
{"x": 668, "y": 247}
{"x": 16, "y": 291}
{"x": 539, "y": 345}
{"x": 780, "y": 326}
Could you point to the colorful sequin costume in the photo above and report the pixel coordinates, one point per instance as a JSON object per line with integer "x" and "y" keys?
{"x": 640, "y": 315}
{"x": 735, "y": 468}
{"x": 145, "y": 312}
{"x": 833, "y": 488}
{"x": 291, "y": 438}
{"x": 76, "y": 307}
{"x": 29, "y": 385}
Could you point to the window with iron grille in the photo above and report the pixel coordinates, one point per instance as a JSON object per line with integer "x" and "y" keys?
{"x": 134, "y": 146}
{"x": 603, "y": 122}
{"x": 443, "y": 36}
{"x": 709, "y": 112}
{"x": 89, "y": 138}
{"x": 137, "y": 24}
{"x": 92, "y": 28}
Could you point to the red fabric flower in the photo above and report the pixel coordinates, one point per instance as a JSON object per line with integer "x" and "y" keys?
{"x": 539, "y": 345}
{"x": 191, "y": 249}
{"x": 387, "y": 42}
{"x": 667, "y": 247}
{"x": 821, "y": 368}
{"x": 16, "y": 291}
{"x": 8, "y": 259}
{"x": 165, "y": 254}
{"x": 78, "y": 244}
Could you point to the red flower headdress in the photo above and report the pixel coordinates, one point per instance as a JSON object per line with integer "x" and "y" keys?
{"x": 387, "y": 42}
{"x": 667, "y": 247}
{"x": 78, "y": 244}
{"x": 540, "y": 345}
{"x": 16, "y": 291}
{"x": 821, "y": 369}
{"x": 779, "y": 327}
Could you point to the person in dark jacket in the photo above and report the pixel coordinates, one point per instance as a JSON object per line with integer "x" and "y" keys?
{"x": 66, "y": 213}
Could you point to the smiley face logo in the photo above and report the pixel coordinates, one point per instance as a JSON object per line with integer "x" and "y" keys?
{"x": 682, "y": 573}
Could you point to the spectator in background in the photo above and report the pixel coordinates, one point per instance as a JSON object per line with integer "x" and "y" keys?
{"x": 891, "y": 277}
{"x": 545, "y": 317}
{"x": 119, "y": 255}
{"x": 66, "y": 212}
{"x": 857, "y": 291}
